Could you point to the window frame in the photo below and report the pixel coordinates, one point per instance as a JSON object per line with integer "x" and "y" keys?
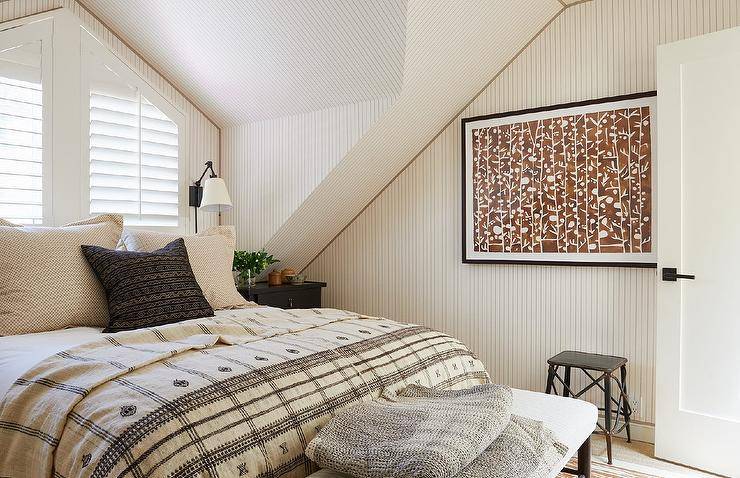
{"x": 11, "y": 36}
{"x": 90, "y": 46}
{"x": 65, "y": 160}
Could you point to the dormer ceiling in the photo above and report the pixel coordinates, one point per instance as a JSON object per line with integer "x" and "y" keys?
{"x": 249, "y": 60}
{"x": 243, "y": 61}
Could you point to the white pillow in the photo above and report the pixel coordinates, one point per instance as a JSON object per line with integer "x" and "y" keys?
{"x": 211, "y": 255}
{"x": 45, "y": 281}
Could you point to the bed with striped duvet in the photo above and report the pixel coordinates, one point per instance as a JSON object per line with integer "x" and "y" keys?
{"x": 238, "y": 394}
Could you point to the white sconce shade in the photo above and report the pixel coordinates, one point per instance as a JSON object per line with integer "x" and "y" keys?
{"x": 215, "y": 196}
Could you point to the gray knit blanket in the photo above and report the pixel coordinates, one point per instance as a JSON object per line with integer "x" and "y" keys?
{"x": 427, "y": 433}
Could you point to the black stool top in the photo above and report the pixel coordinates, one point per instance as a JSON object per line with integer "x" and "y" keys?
{"x": 583, "y": 360}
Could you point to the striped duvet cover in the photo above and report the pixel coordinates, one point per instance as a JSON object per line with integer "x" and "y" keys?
{"x": 238, "y": 394}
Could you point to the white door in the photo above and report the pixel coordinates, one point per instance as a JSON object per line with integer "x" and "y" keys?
{"x": 698, "y": 216}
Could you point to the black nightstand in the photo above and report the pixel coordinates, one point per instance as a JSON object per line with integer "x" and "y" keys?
{"x": 286, "y": 296}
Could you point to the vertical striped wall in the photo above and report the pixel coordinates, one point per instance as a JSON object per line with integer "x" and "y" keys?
{"x": 401, "y": 257}
{"x": 273, "y": 165}
{"x": 202, "y": 135}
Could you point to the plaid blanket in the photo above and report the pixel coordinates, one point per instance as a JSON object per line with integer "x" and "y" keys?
{"x": 238, "y": 394}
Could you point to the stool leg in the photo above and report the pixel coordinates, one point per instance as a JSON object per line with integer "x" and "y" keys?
{"x": 626, "y": 402}
{"x": 567, "y": 381}
{"x": 550, "y": 379}
{"x": 608, "y": 414}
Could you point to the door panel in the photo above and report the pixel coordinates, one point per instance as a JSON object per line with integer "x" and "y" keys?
{"x": 711, "y": 237}
{"x": 697, "y": 383}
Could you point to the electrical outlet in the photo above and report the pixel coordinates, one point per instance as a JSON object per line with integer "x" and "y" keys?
{"x": 635, "y": 404}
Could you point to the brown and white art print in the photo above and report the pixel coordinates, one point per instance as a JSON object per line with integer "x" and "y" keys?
{"x": 568, "y": 184}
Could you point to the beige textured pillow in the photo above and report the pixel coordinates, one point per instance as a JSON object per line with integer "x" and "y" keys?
{"x": 45, "y": 281}
{"x": 211, "y": 255}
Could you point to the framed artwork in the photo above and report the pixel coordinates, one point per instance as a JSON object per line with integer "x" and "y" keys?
{"x": 569, "y": 184}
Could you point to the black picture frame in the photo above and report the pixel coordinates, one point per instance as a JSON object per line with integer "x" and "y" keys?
{"x": 465, "y": 230}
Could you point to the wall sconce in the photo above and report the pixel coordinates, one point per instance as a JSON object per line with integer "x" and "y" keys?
{"x": 212, "y": 196}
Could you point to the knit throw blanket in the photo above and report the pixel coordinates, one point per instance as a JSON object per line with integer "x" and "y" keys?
{"x": 427, "y": 433}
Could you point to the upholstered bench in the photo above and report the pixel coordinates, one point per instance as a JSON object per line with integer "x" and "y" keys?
{"x": 571, "y": 420}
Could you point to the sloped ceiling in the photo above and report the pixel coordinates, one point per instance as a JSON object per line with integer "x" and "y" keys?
{"x": 453, "y": 49}
{"x": 248, "y": 60}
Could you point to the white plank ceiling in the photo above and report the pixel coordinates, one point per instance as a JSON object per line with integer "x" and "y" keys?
{"x": 243, "y": 61}
{"x": 453, "y": 50}
{"x": 248, "y": 60}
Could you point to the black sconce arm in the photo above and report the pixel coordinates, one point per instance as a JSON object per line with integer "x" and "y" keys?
{"x": 195, "y": 191}
{"x": 209, "y": 165}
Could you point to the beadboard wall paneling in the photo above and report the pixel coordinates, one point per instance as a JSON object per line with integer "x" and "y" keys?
{"x": 251, "y": 60}
{"x": 401, "y": 257}
{"x": 271, "y": 166}
{"x": 453, "y": 49}
{"x": 202, "y": 135}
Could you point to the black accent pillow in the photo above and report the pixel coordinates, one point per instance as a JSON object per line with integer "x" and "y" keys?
{"x": 146, "y": 289}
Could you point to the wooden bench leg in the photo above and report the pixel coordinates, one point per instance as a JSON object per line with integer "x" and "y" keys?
{"x": 584, "y": 459}
{"x": 583, "y": 469}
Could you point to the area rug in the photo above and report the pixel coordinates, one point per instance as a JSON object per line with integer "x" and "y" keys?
{"x": 602, "y": 470}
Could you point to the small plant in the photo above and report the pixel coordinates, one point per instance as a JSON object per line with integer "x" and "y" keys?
{"x": 251, "y": 264}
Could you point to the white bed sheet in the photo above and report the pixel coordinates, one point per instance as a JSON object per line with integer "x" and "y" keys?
{"x": 571, "y": 420}
{"x": 19, "y": 353}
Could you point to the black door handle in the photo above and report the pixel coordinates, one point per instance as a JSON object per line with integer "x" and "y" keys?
{"x": 671, "y": 274}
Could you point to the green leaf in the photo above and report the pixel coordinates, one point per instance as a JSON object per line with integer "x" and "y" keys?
{"x": 254, "y": 262}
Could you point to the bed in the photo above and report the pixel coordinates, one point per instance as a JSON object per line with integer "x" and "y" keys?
{"x": 177, "y": 390}
{"x": 239, "y": 394}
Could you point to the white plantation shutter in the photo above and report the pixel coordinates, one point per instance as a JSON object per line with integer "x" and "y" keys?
{"x": 21, "y": 167}
{"x": 133, "y": 157}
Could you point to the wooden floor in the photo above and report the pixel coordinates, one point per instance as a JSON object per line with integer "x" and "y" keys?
{"x": 634, "y": 460}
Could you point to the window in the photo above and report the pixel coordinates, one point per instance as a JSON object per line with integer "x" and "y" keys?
{"x": 134, "y": 151}
{"x": 117, "y": 144}
{"x": 21, "y": 162}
